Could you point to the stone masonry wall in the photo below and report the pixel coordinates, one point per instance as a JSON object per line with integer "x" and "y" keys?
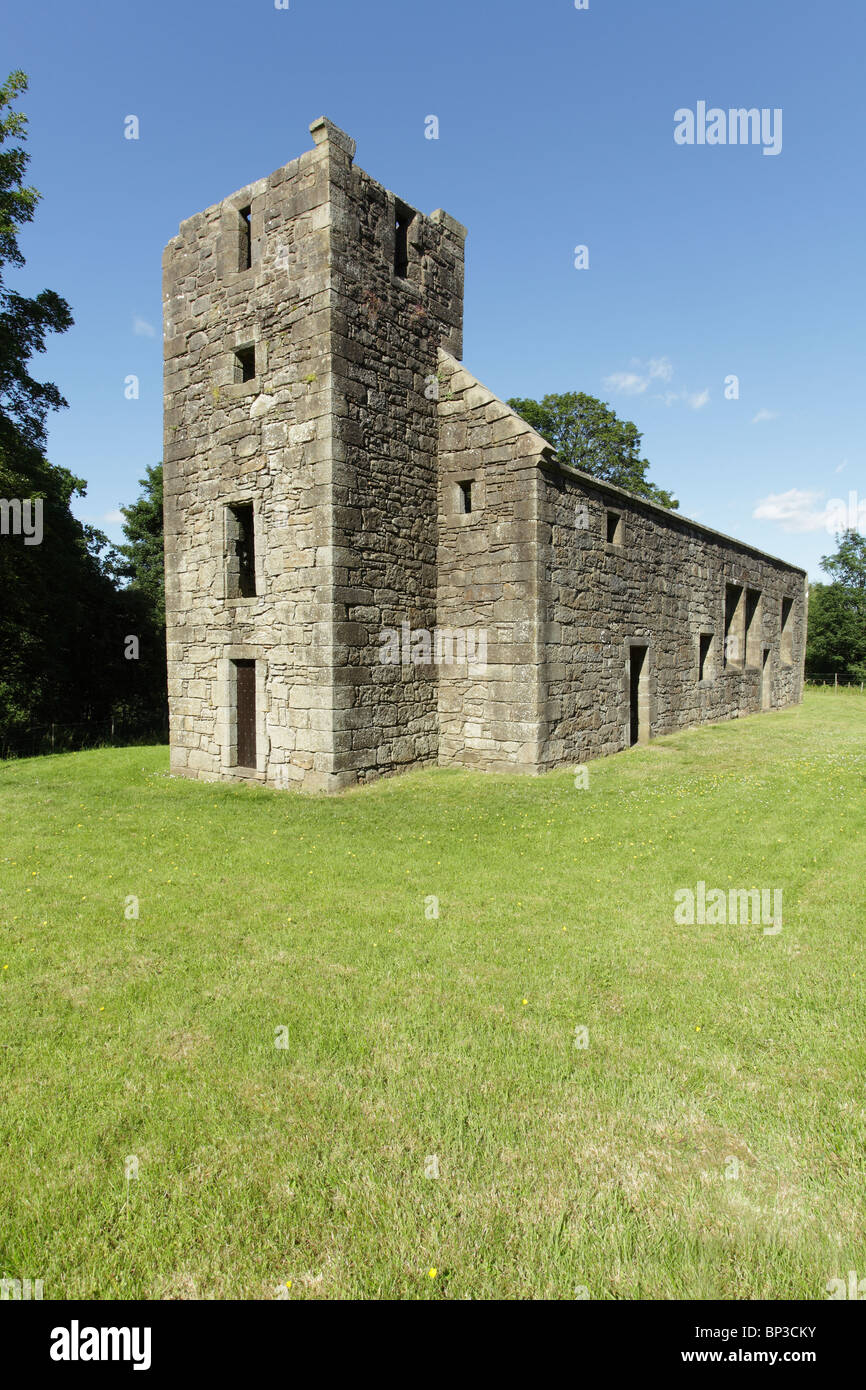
{"x": 266, "y": 441}
{"x": 662, "y": 583}
{"x": 386, "y": 331}
{"x": 489, "y": 570}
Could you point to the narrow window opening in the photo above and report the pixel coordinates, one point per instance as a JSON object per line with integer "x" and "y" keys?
{"x": 753, "y": 627}
{"x": 787, "y": 643}
{"x": 465, "y": 497}
{"x": 733, "y": 652}
{"x": 704, "y": 663}
{"x": 403, "y": 216}
{"x": 245, "y": 252}
{"x": 245, "y": 362}
{"x": 614, "y": 528}
{"x": 241, "y": 552}
{"x": 245, "y": 713}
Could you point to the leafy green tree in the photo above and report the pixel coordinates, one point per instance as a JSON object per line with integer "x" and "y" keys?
{"x": 59, "y": 617}
{"x": 848, "y": 566}
{"x": 587, "y": 434}
{"x": 145, "y": 691}
{"x": 836, "y": 640}
{"x": 143, "y": 553}
{"x": 24, "y": 323}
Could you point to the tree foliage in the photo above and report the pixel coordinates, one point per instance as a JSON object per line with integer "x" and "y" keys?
{"x": 143, "y": 554}
{"x": 63, "y": 620}
{"x": 587, "y": 434}
{"x": 836, "y": 642}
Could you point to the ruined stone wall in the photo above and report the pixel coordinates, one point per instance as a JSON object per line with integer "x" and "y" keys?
{"x": 266, "y": 441}
{"x": 489, "y": 716}
{"x": 386, "y": 331}
{"x": 660, "y": 583}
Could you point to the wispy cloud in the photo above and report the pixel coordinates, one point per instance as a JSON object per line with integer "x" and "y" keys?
{"x": 142, "y": 329}
{"x": 763, "y": 415}
{"x": 660, "y": 369}
{"x": 626, "y": 383}
{"x": 641, "y": 375}
{"x": 113, "y": 518}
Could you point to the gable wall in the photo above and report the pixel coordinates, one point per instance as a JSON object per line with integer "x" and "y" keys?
{"x": 488, "y": 577}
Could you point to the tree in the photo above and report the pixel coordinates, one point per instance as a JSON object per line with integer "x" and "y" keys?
{"x": 59, "y": 643}
{"x": 848, "y": 566}
{"x": 145, "y": 691}
{"x": 24, "y": 323}
{"x": 836, "y": 641}
{"x": 143, "y": 554}
{"x": 587, "y": 434}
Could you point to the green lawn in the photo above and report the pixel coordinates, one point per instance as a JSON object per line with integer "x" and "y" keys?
{"x": 707, "y": 1143}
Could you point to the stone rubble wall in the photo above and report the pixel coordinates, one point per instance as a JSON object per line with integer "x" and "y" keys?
{"x": 488, "y": 576}
{"x": 265, "y": 441}
{"x": 663, "y": 585}
{"x": 385, "y": 334}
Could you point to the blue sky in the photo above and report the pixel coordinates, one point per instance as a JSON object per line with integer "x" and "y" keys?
{"x": 556, "y": 129}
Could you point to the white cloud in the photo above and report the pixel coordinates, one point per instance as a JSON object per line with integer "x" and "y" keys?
{"x": 142, "y": 329}
{"x": 114, "y": 518}
{"x": 843, "y": 465}
{"x": 628, "y": 383}
{"x": 657, "y": 369}
{"x": 797, "y": 510}
{"x": 794, "y": 510}
{"x": 763, "y": 415}
{"x": 660, "y": 368}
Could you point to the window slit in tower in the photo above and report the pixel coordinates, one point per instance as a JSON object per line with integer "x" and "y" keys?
{"x": 246, "y": 239}
{"x": 403, "y": 217}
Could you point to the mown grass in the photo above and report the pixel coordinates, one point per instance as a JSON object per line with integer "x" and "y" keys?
{"x": 608, "y": 1168}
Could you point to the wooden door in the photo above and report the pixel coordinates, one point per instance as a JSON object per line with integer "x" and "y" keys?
{"x": 246, "y": 713}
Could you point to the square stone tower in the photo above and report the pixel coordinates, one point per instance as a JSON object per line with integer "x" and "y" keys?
{"x": 304, "y": 320}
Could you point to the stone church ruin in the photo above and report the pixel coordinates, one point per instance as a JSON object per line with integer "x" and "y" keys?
{"x": 337, "y": 483}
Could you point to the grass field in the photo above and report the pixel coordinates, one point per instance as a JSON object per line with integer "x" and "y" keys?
{"x": 708, "y": 1142}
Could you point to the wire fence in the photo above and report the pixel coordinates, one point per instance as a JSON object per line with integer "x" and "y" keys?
{"x": 42, "y": 739}
{"x": 837, "y": 679}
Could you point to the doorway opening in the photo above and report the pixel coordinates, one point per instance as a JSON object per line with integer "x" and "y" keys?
{"x": 638, "y": 696}
{"x": 245, "y": 713}
{"x": 766, "y": 681}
